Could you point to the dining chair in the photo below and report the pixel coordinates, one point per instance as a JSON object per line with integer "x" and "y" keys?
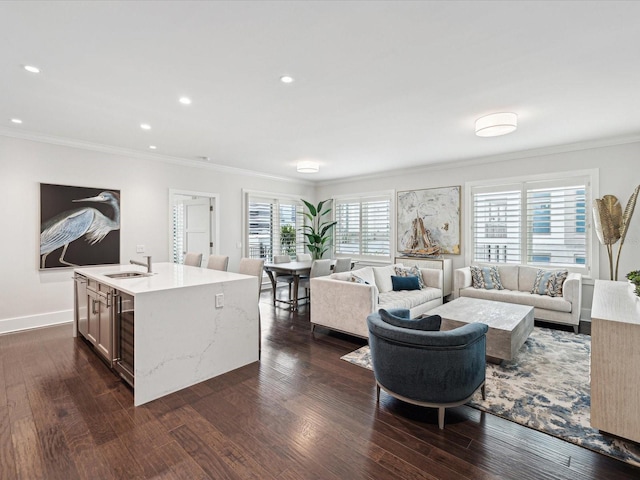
{"x": 218, "y": 262}
{"x": 254, "y": 267}
{"x": 319, "y": 268}
{"x": 282, "y": 277}
{"x": 342, "y": 265}
{"x": 193, "y": 259}
{"x": 303, "y": 257}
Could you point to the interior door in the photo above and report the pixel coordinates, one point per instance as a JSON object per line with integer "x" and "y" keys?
{"x": 197, "y": 226}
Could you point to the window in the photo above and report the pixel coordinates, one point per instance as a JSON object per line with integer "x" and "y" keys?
{"x": 363, "y": 227}
{"x": 274, "y": 227}
{"x": 541, "y": 222}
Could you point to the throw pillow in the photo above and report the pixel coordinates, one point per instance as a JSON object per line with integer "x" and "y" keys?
{"x": 383, "y": 277}
{"x": 405, "y": 283}
{"x": 410, "y": 271}
{"x": 427, "y": 323}
{"x": 485, "y": 277}
{"x": 549, "y": 282}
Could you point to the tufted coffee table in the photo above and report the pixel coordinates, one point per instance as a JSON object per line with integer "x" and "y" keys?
{"x": 509, "y": 324}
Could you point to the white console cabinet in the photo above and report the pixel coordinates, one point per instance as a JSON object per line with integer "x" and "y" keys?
{"x": 615, "y": 360}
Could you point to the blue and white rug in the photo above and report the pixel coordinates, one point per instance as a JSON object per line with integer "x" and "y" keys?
{"x": 545, "y": 387}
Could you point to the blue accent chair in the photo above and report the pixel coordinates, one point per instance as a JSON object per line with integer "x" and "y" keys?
{"x": 424, "y": 367}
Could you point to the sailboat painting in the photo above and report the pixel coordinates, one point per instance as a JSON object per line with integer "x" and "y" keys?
{"x": 428, "y": 222}
{"x": 79, "y": 226}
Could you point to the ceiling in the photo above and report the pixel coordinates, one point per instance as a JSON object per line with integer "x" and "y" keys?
{"x": 378, "y": 85}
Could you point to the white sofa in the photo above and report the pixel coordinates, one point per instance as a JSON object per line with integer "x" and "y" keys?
{"x": 339, "y": 304}
{"x": 518, "y": 281}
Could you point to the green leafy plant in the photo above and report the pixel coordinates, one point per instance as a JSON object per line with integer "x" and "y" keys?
{"x": 634, "y": 277}
{"x": 318, "y": 230}
{"x": 288, "y": 239}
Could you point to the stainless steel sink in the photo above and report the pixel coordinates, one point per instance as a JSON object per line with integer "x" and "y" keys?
{"x": 127, "y": 274}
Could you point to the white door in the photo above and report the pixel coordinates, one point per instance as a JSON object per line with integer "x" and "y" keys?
{"x": 197, "y": 227}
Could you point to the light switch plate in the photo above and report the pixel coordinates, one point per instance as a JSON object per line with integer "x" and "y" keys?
{"x": 219, "y": 300}
{"x": 139, "y": 248}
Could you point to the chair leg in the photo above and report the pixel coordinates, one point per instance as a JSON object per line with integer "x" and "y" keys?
{"x": 377, "y": 393}
{"x": 441, "y": 418}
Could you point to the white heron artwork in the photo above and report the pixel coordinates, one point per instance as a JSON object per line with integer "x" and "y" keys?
{"x": 62, "y": 227}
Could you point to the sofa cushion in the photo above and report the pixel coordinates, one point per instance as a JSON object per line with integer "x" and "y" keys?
{"x": 558, "y": 304}
{"x": 526, "y": 278}
{"x": 408, "y": 298}
{"x": 410, "y": 282}
{"x": 383, "y": 277}
{"x": 410, "y": 271}
{"x": 427, "y": 323}
{"x": 509, "y": 276}
{"x": 365, "y": 273}
{"x": 485, "y": 277}
{"x": 549, "y": 282}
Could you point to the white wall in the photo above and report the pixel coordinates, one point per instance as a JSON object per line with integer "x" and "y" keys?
{"x": 619, "y": 174}
{"x": 30, "y": 297}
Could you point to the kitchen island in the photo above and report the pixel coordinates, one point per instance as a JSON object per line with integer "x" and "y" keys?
{"x": 191, "y": 323}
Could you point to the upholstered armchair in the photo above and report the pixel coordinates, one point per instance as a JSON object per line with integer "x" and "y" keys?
{"x": 415, "y": 362}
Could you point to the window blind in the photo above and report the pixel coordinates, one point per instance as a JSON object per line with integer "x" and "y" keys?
{"x": 538, "y": 223}
{"x": 274, "y": 227}
{"x": 363, "y": 226}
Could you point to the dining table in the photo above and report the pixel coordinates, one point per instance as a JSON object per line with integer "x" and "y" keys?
{"x": 296, "y": 270}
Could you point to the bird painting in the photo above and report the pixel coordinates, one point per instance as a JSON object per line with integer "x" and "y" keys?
{"x": 71, "y": 225}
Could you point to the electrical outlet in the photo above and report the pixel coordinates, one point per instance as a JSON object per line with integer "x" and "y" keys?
{"x": 219, "y": 300}
{"x": 139, "y": 248}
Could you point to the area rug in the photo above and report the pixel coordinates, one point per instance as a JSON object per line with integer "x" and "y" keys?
{"x": 545, "y": 387}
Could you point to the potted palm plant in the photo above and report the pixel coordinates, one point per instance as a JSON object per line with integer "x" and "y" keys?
{"x": 318, "y": 229}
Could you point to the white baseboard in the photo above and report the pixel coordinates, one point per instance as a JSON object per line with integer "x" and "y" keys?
{"x": 8, "y": 325}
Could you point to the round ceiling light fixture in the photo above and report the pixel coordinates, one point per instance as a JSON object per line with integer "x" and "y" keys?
{"x": 32, "y": 69}
{"x": 496, "y": 124}
{"x": 307, "y": 166}
{"x": 185, "y": 100}
{"x": 145, "y": 126}
{"x": 286, "y": 79}
{"x": 16, "y": 120}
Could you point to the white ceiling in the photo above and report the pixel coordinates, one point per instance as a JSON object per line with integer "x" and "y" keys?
{"x": 378, "y": 85}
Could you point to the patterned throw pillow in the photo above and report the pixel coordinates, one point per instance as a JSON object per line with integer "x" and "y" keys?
{"x": 549, "y": 282}
{"x": 485, "y": 277}
{"x": 411, "y": 272}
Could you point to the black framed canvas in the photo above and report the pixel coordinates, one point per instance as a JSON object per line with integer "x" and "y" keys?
{"x": 79, "y": 226}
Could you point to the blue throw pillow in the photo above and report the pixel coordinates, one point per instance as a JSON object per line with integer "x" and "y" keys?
{"x": 410, "y": 282}
{"x": 429, "y": 323}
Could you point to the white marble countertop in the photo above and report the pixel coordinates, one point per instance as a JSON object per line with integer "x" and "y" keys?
{"x": 165, "y": 276}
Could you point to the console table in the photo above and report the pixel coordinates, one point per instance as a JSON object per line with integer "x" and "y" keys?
{"x": 615, "y": 357}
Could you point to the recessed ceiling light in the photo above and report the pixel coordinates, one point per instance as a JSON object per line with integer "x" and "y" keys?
{"x": 32, "y": 69}
{"x": 145, "y": 126}
{"x": 185, "y": 100}
{"x": 152, "y": 147}
{"x": 286, "y": 79}
{"x": 16, "y": 120}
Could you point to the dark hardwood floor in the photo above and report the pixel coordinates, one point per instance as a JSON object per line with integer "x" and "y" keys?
{"x": 299, "y": 413}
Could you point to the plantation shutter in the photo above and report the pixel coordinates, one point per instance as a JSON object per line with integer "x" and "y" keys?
{"x": 363, "y": 226}
{"x": 178, "y": 228}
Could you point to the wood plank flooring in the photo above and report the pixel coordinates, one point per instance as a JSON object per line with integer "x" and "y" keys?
{"x": 299, "y": 413}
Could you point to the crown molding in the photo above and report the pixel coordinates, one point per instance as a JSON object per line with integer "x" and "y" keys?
{"x": 488, "y": 159}
{"x": 189, "y": 162}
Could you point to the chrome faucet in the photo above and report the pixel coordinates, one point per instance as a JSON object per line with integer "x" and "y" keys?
{"x": 142, "y": 264}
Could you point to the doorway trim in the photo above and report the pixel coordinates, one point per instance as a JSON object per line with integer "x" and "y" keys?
{"x": 215, "y": 213}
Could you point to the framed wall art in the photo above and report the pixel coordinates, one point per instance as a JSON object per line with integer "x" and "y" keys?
{"x": 428, "y": 222}
{"x": 79, "y": 226}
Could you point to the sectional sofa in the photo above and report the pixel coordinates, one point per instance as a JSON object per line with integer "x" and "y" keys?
{"x": 342, "y": 301}
{"x": 518, "y": 282}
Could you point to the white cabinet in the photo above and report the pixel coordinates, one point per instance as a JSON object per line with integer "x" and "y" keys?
{"x": 443, "y": 264}
{"x": 615, "y": 360}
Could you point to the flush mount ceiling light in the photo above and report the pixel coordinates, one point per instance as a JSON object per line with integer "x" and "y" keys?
{"x": 32, "y": 69}
{"x": 16, "y": 120}
{"x": 286, "y": 79}
{"x": 185, "y": 100}
{"x": 496, "y": 124}
{"x": 145, "y": 126}
{"x": 307, "y": 166}
{"x": 152, "y": 147}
